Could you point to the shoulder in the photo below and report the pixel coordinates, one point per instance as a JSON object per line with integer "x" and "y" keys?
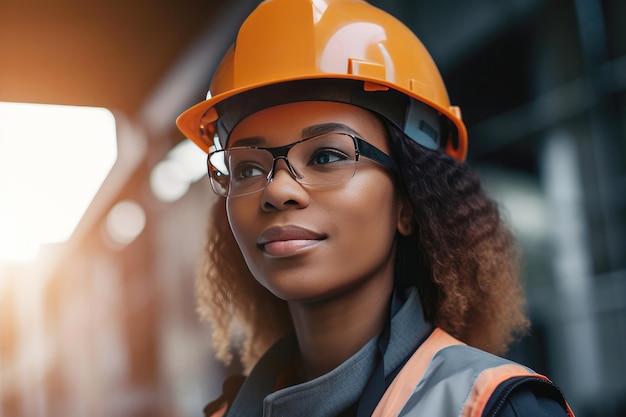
{"x": 454, "y": 379}
{"x": 496, "y": 386}
{"x": 230, "y": 388}
{"x": 526, "y": 398}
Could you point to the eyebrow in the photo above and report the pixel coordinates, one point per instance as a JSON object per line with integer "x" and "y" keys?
{"x": 307, "y": 132}
{"x": 327, "y": 128}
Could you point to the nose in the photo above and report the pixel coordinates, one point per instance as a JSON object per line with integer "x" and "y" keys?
{"x": 283, "y": 191}
{"x": 288, "y": 167}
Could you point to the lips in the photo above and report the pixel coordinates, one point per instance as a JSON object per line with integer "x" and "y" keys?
{"x": 282, "y": 241}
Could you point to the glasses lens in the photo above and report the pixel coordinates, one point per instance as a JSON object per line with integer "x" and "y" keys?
{"x": 324, "y": 160}
{"x": 239, "y": 170}
{"x": 218, "y": 172}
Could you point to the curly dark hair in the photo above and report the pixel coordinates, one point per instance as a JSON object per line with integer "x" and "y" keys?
{"x": 461, "y": 257}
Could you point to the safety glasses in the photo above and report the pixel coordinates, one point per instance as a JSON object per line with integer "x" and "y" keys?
{"x": 322, "y": 160}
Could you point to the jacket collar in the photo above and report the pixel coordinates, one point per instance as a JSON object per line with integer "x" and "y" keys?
{"x": 340, "y": 388}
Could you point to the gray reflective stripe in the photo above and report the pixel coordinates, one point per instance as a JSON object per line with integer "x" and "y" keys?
{"x": 448, "y": 381}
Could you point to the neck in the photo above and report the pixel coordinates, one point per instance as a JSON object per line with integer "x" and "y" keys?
{"x": 331, "y": 331}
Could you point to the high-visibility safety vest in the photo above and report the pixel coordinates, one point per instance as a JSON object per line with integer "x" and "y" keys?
{"x": 446, "y": 378}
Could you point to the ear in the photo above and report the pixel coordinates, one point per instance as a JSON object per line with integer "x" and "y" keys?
{"x": 405, "y": 217}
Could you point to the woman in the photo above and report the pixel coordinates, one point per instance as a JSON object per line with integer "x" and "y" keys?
{"x": 354, "y": 255}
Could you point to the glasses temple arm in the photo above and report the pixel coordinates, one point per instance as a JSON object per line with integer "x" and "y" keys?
{"x": 376, "y": 155}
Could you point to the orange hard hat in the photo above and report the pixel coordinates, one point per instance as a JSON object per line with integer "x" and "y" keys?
{"x": 331, "y": 50}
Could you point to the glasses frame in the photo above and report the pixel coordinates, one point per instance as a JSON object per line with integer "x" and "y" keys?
{"x": 361, "y": 148}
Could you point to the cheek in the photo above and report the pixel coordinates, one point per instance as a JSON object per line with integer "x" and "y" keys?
{"x": 238, "y": 213}
{"x": 369, "y": 209}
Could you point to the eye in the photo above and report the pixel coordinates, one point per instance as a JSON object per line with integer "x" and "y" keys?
{"x": 246, "y": 170}
{"x": 327, "y": 156}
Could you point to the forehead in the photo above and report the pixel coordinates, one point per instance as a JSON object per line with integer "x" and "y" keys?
{"x": 287, "y": 123}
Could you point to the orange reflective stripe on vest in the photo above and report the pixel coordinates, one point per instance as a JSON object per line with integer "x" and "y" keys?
{"x": 403, "y": 384}
{"x": 487, "y": 383}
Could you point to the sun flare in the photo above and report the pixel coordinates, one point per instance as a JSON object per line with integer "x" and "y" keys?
{"x": 53, "y": 159}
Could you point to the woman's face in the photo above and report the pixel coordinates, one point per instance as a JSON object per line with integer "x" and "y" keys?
{"x": 308, "y": 243}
